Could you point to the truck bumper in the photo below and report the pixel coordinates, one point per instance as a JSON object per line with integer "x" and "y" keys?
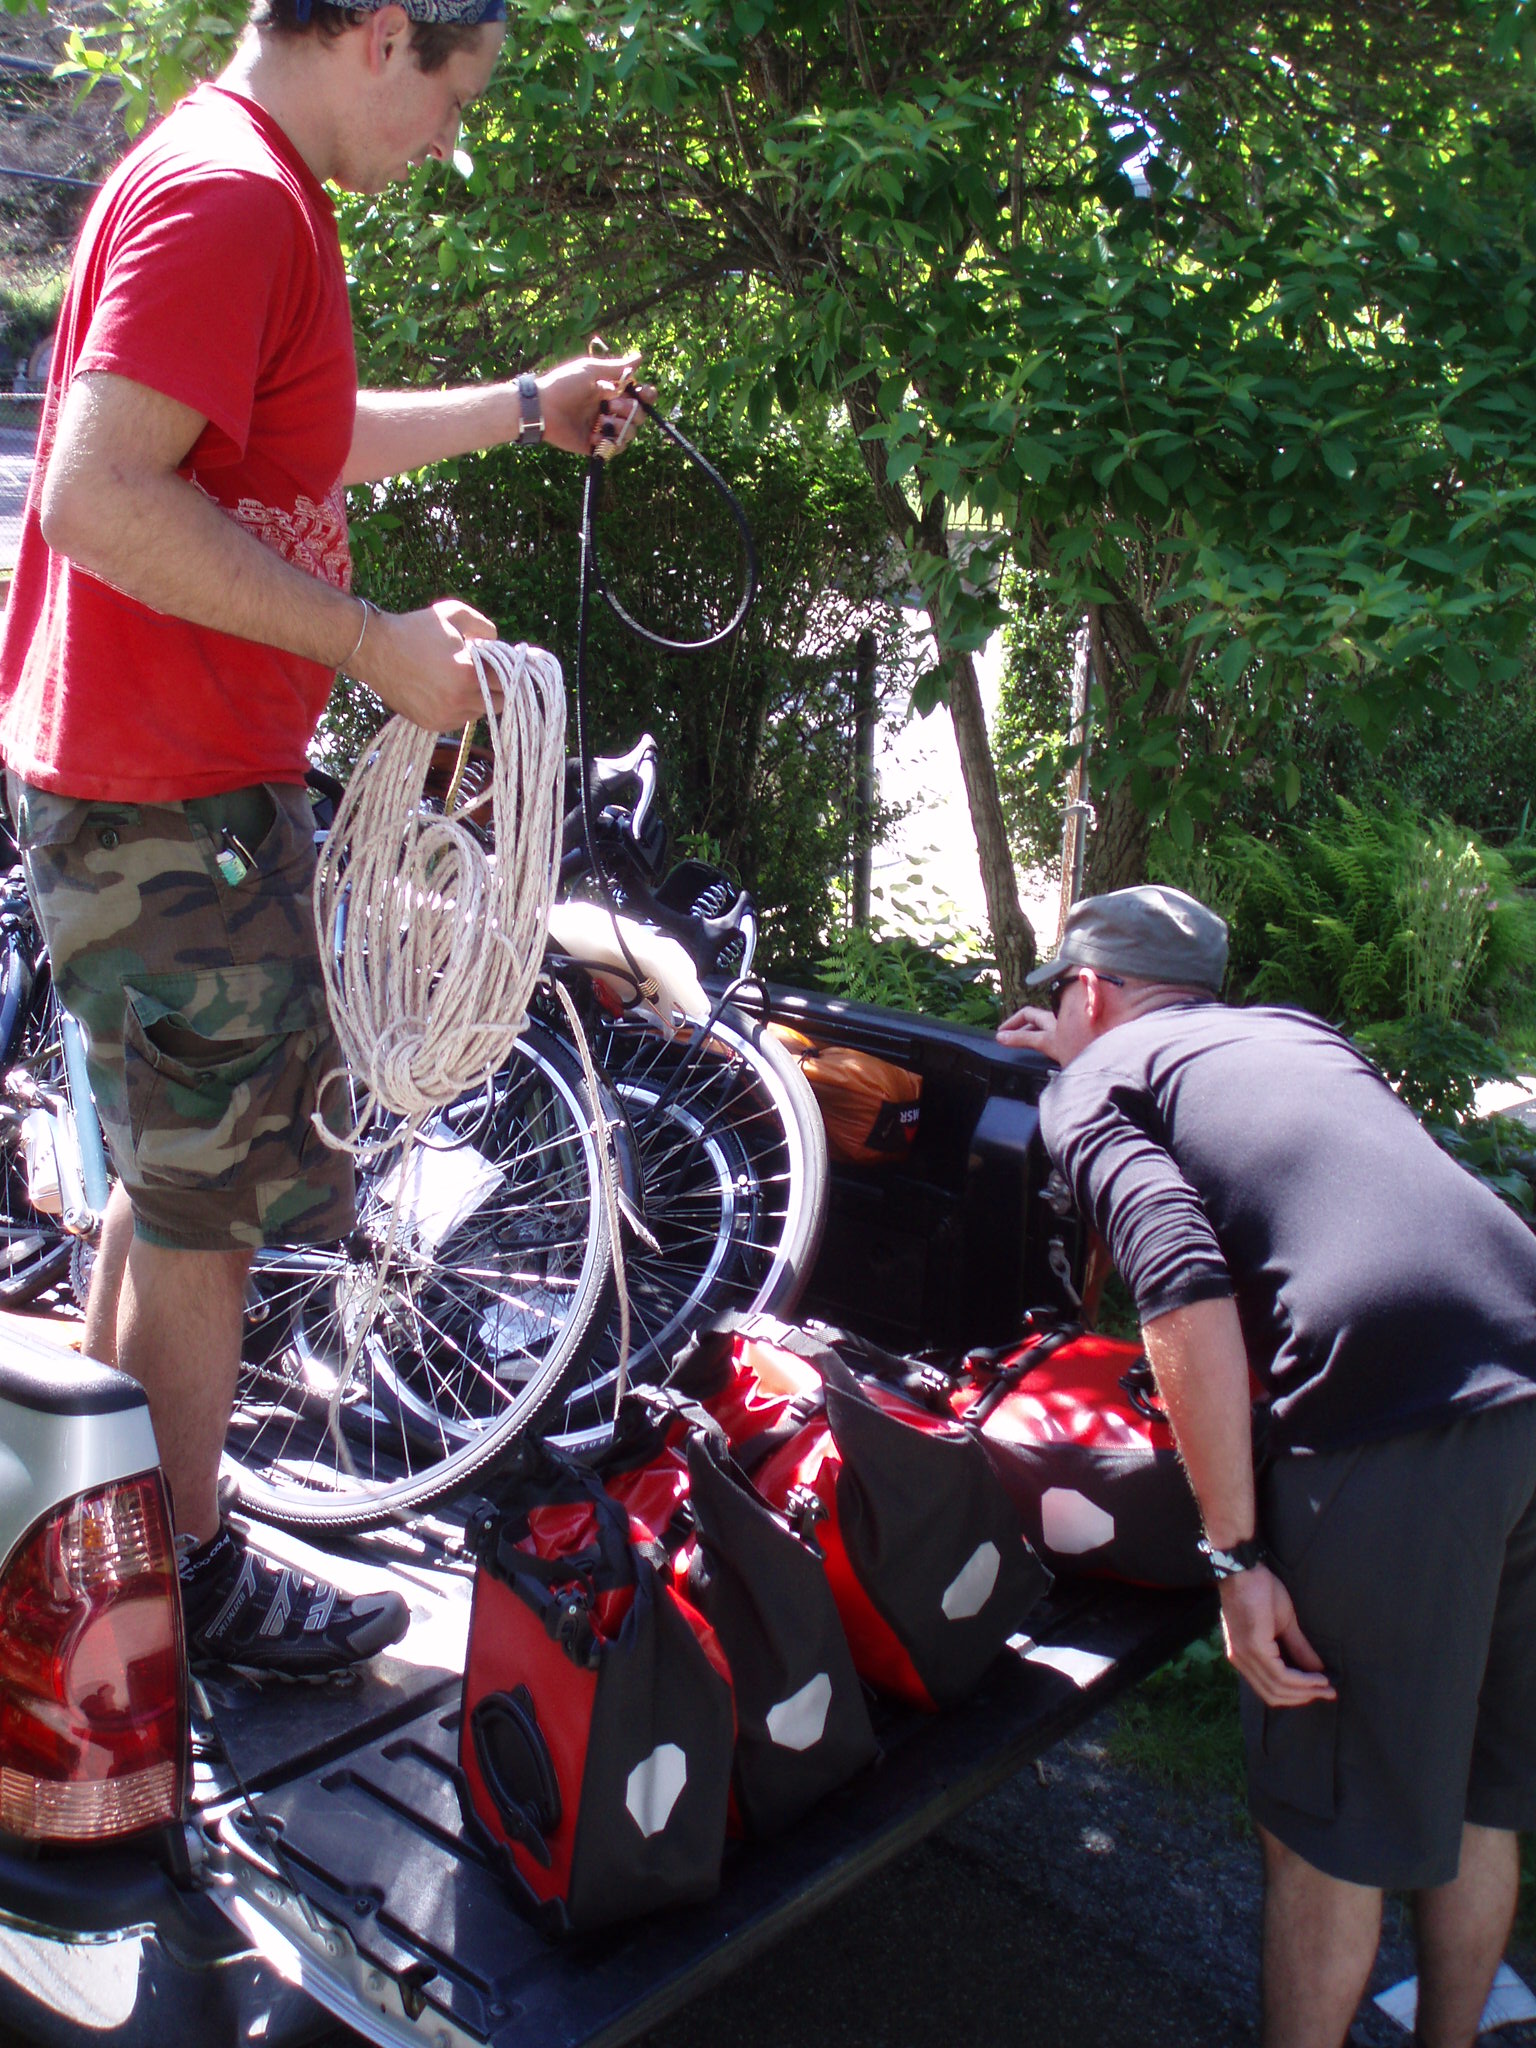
{"x": 109, "y": 1949}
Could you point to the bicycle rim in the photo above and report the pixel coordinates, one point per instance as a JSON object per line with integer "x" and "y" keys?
{"x": 497, "y": 1286}
{"x": 34, "y": 1248}
{"x": 733, "y": 1166}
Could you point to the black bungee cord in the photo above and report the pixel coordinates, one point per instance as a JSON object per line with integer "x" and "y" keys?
{"x": 591, "y": 578}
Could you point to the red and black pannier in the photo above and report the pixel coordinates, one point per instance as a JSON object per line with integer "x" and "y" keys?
{"x": 597, "y": 1728}
{"x": 802, "y": 1726}
{"x": 1077, "y": 1436}
{"x": 922, "y": 1547}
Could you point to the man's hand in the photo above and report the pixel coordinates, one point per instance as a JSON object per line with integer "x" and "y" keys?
{"x": 585, "y": 408}
{"x": 1265, "y": 1643}
{"x": 421, "y": 665}
{"x": 1030, "y": 1027}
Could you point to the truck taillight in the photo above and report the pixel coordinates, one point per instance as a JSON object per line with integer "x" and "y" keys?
{"x": 93, "y": 1685}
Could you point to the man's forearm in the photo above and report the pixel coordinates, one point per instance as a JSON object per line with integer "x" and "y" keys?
{"x": 1201, "y": 1366}
{"x": 582, "y": 404}
{"x": 397, "y": 431}
{"x": 160, "y": 540}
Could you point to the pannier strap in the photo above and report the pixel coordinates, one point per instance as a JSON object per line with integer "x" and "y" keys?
{"x": 714, "y": 1446}
{"x": 1140, "y": 1389}
{"x": 561, "y": 1590}
{"x": 1002, "y": 1379}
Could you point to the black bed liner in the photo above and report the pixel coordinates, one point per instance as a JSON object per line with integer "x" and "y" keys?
{"x": 352, "y": 1785}
{"x": 369, "y": 1826}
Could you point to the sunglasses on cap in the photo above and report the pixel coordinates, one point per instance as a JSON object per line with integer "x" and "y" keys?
{"x": 1056, "y": 989}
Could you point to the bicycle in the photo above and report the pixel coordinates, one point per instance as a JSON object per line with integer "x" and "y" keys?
{"x": 721, "y": 1165}
{"x": 46, "y": 1209}
{"x": 729, "y": 1140}
{"x": 497, "y": 1317}
{"x": 503, "y": 1260}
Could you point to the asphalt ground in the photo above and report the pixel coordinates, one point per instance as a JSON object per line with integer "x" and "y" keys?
{"x": 1077, "y": 1908}
{"x": 16, "y": 444}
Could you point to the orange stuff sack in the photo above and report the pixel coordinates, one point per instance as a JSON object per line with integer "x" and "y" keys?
{"x": 869, "y": 1106}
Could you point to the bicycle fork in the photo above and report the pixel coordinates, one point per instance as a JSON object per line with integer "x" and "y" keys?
{"x": 63, "y": 1133}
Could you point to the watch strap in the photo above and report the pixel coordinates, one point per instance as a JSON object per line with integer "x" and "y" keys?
{"x": 532, "y": 429}
{"x": 1242, "y": 1557}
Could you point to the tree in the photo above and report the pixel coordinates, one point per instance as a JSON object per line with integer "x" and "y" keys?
{"x": 757, "y": 737}
{"x": 1215, "y": 313}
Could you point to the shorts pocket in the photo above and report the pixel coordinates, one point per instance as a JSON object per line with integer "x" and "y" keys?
{"x": 203, "y": 1054}
{"x": 1293, "y": 1752}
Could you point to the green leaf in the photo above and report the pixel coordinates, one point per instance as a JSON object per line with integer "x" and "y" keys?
{"x": 1233, "y": 659}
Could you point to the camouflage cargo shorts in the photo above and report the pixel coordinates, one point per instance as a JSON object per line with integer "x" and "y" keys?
{"x": 182, "y": 937}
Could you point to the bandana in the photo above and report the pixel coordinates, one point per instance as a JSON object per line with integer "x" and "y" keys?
{"x": 469, "y": 12}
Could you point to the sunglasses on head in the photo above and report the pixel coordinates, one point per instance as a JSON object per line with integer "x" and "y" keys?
{"x": 1056, "y": 989}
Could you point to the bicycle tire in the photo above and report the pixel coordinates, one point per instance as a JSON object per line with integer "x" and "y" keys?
{"x": 499, "y": 1283}
{"x": 733, "y": 1170}
{"x": 34, "y": 1246}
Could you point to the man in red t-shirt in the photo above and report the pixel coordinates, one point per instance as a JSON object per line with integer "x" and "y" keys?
{"x": 182, "y": 601}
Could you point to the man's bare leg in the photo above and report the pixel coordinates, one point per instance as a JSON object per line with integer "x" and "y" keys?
{"x": 100, "y": 1337}
{"x": 1320, "y": 1937}
{"x": 1462, "y": 1929}
{"x": 178, "y": 1335}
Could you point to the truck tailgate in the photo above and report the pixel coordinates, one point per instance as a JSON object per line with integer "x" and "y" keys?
{"x": 414, "y": 1937}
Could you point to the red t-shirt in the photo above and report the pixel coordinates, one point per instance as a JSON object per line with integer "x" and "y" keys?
{"x": 209, "y": 269}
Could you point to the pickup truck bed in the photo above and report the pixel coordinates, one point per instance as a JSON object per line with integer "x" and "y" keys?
{"x": 367, "y": 1817}
{"x": 342, "y": 1878}
{"x": 322, "y": 1869}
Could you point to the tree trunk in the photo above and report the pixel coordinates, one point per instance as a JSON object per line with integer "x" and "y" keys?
{"x": 1012, "y": 938}
{"x": 865, "y": 719}
{"x": 1117, "y": 849}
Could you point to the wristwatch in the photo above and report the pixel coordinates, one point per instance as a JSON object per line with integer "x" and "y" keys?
{"x": 1242, "y": 1557}
{"x": 532, "y": 428}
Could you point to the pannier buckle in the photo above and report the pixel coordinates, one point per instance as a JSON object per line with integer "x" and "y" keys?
{"x": 568, "y": 1623}
{"x": 805, "y": 1508}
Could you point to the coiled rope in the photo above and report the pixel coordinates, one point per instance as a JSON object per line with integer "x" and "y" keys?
{"x": 430, "y": 947}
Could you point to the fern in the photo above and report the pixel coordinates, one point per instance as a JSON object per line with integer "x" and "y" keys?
{"x": 1377, "y": 916}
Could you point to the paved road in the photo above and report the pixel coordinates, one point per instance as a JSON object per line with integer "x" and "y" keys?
{"x": 15, "y": 473}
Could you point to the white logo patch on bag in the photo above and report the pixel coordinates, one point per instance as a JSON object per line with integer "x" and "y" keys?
{"x": 971, "y": 1587}
{"x": 1071, "y": 1523}
{"x": 654, "y": 1788}
{"x": 800, "y": 1721}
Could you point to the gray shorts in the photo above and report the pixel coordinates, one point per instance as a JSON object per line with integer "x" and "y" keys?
{"x": 182, "y": 937}
{"x": 1412, "y": 1564}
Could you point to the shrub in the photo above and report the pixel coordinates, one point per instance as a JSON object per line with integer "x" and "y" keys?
{"x": 1412, "y": 935}
{"x": 882, "y": 965}
{"x": 1375, "y": 917}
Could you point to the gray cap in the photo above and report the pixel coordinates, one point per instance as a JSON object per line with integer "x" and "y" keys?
{"x": 1150, "y": 933}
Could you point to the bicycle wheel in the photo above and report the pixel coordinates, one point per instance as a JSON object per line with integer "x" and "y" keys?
{"x": 498, "y": 1283}
{"x": 733, "y": 1168}
{"x": 34, "y": 1247}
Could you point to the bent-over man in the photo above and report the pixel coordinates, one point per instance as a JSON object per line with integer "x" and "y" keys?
{"x": 1276, "y": 1210}
{"x": 181, "y": 604}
